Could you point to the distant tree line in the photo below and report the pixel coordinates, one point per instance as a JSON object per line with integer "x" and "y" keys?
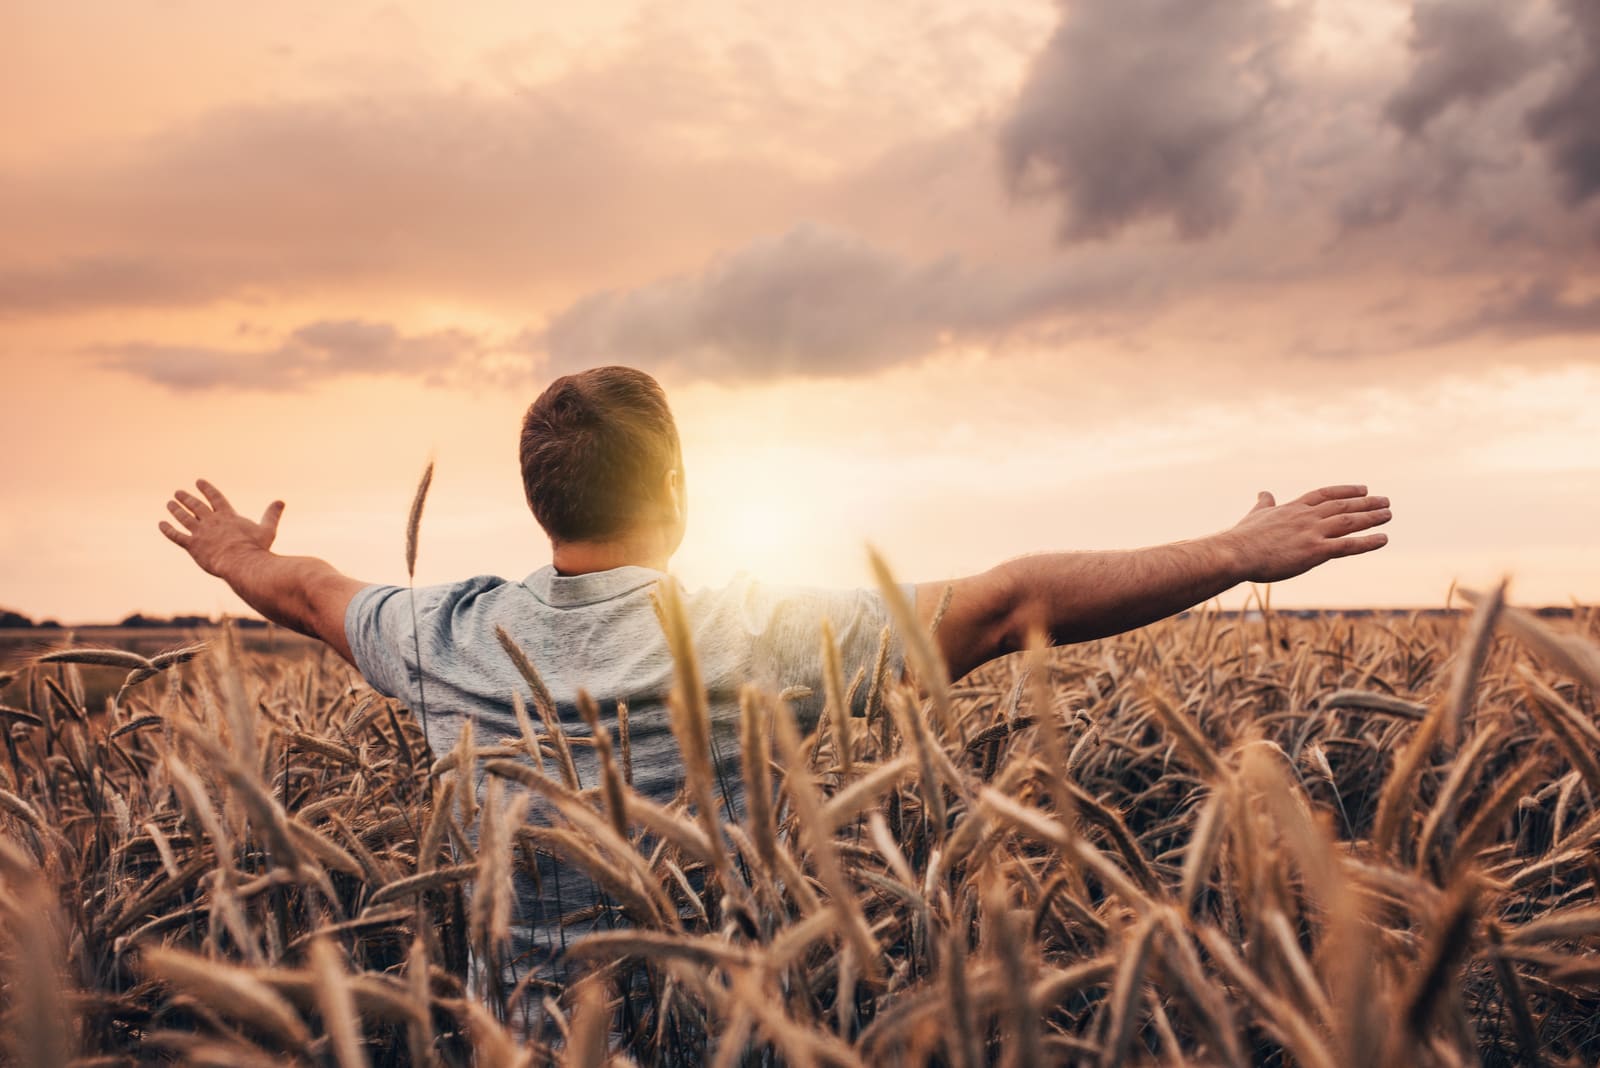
{"x": 10, "y": 620}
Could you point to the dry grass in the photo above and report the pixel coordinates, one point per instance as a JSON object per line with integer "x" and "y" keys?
{"x": 1318, "y": 842}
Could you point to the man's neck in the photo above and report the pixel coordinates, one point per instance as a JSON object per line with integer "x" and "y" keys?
{"x": 585, "y": 557}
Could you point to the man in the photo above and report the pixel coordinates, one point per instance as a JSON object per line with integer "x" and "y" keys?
{"x": 603, "y": 474}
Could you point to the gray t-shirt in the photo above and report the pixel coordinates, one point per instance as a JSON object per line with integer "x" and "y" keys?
{"x": 599, "y": 632}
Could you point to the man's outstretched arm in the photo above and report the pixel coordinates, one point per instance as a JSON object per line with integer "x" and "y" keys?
{"x": 299, "y": 592}
{"x": 1075, "y": 597}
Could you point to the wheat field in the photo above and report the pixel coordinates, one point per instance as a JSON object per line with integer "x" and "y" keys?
{"x": 1219, "y": 840}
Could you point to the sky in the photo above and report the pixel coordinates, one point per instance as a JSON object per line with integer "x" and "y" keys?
{"x": 961, "y": 279}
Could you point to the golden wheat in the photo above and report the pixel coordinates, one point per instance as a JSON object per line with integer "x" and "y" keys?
{"x": 1221, "y": 840}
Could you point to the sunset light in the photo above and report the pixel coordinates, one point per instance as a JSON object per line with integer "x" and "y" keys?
{"x": 944, "y": 534}
{"x": 308, "y": 252}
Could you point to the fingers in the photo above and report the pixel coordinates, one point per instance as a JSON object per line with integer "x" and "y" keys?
{"x": 1350, "y": 522}
{"x": 200, "y": 509}
{"x": 1351, "y": 504}
{"x": 1356, "y": 546}
{"x": 1332, "y": 493}
{"x": 191, "y": 511}
{"x": 174, "y": 535}
{"x": 182, "y": 515}
{"x": 1264, "y": 500}
{"x": 214, "y": 495}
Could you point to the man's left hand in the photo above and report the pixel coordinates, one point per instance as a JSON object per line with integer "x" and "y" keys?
{"x": 1279, "y": 541}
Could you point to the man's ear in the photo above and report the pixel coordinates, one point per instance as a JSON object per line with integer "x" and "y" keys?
{"x": 673, "y": 483}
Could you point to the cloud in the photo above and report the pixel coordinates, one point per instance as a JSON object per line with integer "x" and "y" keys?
{"x": 498, "y": 197}
{"x": 1141, "y": 109}
{"x": 1465, "y": 51}
{"x": 1436, "y": 174}
{"x": 95, "y": 281}
{"x": 316, "y": 352}
{"x": 1536, "y": 309}
{"x": 813, "y": 301}
{"x": 1474, "y": 117}
{"x": 524, "y": 184}
{"x": 593, "y": 204}
{"x": 1565, "y": 123}
{"x": 817, "y": 301}
{"x": 1469, "y": 54}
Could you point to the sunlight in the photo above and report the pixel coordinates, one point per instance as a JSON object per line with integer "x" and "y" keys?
{"x": 740, "y": 524}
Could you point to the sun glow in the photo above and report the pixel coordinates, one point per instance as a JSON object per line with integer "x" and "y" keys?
{"x": 742, "y": 524}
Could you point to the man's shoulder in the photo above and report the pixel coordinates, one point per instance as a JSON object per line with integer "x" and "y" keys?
{"x": 478, "y": 591}
{"x": 433, "y": 596}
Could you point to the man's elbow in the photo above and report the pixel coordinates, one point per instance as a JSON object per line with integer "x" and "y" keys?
{"x": 999, "y": 619}
{"x": 327, "y": 600}
{"x": 1023, "y": 626}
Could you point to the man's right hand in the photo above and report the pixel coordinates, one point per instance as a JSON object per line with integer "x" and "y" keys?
{"x": 298, "y": 592}
{"x": 1279, "y": 541}
{"x": 216, "y": 533}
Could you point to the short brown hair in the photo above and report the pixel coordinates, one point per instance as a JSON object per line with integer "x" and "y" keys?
{"x": 595, "y": 447}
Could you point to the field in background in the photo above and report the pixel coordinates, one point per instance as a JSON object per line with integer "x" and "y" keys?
{"x": 1218, "y": 840}
{"x": 22, "y": 642}
{"x": 18, "y": 647}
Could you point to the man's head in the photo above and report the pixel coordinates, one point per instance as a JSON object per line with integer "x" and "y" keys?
{"x": 601, "y": 460}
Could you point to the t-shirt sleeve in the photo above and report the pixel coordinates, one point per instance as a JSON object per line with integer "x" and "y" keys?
{"x": 380, "y": 630}
{"x": 786, "y": 624}
{"x": 378, "y": 627}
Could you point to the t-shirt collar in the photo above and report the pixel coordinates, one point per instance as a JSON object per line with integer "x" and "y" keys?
{"x": 573, "y": 591}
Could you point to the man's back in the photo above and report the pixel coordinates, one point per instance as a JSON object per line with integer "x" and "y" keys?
{"x": 599, "y": 632}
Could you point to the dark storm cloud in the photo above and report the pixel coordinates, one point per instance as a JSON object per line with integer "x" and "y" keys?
{"x": 1567, "y": 123}
{"x": 1141, "y": 109}
{"x": 818, "y": 301}
{"x": 1468, "y": 53}
{"x": 314, "y": 353}
{"x": 1465, "y": 51}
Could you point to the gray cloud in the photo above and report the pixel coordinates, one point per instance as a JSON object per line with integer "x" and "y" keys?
{"x": 316, "y": 352}
{"x": 1468, "y": 54}
{"x": 1567, "y": 123}
{"x": 819, "y": 301}
{"x": 1135, "y": 115}
{"x": 1466, "y": 51}
{"x": 1436, "y": 173}
{"x": 812, "y": 301}
{"x": 1141, "y": 109}
{"x": 1460, "y": 179}
{"x": 1540, "y": 308}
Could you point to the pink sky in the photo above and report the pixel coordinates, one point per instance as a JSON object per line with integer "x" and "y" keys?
{"x": 961, "y": 279}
